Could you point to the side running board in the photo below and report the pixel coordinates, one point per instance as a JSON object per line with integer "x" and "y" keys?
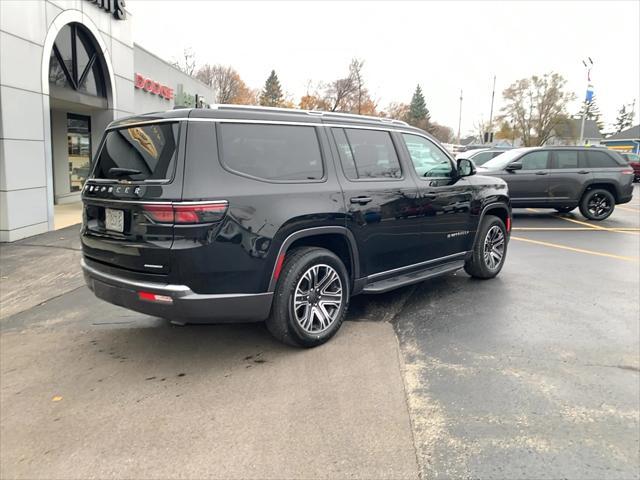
{"x": 387, "y": 284}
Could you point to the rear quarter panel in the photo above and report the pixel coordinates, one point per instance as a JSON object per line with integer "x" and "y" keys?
{"x": 238, "y": 256}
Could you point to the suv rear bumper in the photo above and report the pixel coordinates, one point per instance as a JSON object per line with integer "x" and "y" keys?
{"x": 185, "y": 305}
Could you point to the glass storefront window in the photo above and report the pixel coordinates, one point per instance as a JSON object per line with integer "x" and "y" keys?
{"x": 79, "y": 150}
{"x": 74, "y": 62}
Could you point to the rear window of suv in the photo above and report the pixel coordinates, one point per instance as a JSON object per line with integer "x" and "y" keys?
{"x": 600, "y": 160}
{"x": 271, "y": 152}
{"x": 138, "y": 153}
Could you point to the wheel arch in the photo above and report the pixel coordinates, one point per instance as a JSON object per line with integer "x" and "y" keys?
{"x": 500, "y": 209}
{"x": 338, "y": 240}
{"x": 609, "y": 186}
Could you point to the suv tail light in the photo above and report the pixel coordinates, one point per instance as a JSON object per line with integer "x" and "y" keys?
{"x": 627, "y": 172}
{"x": 186, "y": 213}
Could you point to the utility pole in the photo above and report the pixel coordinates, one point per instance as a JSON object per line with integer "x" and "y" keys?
{"x": 460, "y": 117}
{"x": 588, "y": 97}
{"x": 493, "y": 94}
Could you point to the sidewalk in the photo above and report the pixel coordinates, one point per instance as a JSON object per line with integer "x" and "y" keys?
{"x": 91, "y": 390}
{"x": 38, "y": 268}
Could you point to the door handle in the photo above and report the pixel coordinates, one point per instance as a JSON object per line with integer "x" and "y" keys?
{"x": 360, "y": 200}
{"x": 429, "y": 197}
{"x": 541, "y": 173}
{"x": 582, "y": 172}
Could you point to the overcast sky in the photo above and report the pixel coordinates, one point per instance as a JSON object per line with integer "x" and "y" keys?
{"x": 443, "y": 46}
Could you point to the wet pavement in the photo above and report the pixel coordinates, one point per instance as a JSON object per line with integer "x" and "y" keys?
{"x": 534, "y": 374}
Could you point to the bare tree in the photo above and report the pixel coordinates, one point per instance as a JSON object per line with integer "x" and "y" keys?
{"x": 349, "y": 94}
{"x": 480, "y": 127}
{"x": 398, "y": 111}
{"x": 187, "y": 63}
{"x": 227, "y": 85}
{"x": 441, "y": 132}
{"x": 339, "y": 92}
{"x": 535, "y": 106}
{"x": 355, "y": 73}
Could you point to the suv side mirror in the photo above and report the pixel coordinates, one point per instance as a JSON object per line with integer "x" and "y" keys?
{"x": 466, "y": 167}
{"x": 517, "y": 165}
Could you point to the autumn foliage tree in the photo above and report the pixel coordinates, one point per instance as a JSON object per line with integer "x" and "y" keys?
{"x": 227, "y": 85}
{"x": 397, "y": 111}
{"x": 345, "y": 94}
{"x": 535, "y": 106}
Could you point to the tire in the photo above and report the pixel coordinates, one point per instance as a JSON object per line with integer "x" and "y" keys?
{"x": 565, "y": 209}
{"x": 309, "y": 322}
{"x": 597, "y": 204}
{"x": 483, "y": 262}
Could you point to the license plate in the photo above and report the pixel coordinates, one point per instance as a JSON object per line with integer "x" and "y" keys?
{"x": 114, "y": 220}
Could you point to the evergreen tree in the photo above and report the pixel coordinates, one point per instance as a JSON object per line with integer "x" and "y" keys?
{"x": 271, "y": 95}
{"x": 418, "y": 112}
{"x": 591, "y": 112}
{"x": 625, "y": 118}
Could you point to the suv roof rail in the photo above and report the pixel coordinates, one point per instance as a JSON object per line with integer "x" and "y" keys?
{"x": 296, "y": 111}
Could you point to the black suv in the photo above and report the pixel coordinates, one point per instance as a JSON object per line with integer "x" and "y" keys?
{"x": 250, "y": 214}
{"x": 594, "y": 179}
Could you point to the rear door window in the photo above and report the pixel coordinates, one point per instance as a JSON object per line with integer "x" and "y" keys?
{"x": 535, "y": 161}
{"x": 600, "y": 160}
{"x": 139, "y": 153}
{"x": 271, "y": 152}
{"x": 367, "y": 154}
{"x": 566, "y": 159}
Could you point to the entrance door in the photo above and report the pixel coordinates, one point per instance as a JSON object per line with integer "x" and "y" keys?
{"x": 79, "y": 150}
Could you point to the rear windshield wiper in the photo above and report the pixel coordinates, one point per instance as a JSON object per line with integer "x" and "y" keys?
{"x": 119, "y": 172}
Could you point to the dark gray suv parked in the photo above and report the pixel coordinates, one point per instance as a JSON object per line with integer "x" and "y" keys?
{"x": 564, "y": 178}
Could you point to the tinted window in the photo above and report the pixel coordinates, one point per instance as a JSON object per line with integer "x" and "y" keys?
{"x": 599, "y": 160}
{"x": 271, "y": 152}
{"x": 427, "y": 158}
{"x": 367, "y": 154}
{"x": 566, "y": 159}
{"x": 346, "y": 155}
{"x": 139, "y": 153}
{"x": 482, "y": 157}
{"x": 535, "y": 161}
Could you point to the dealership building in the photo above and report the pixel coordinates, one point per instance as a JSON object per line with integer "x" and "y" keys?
{"x": 67, "y": 69}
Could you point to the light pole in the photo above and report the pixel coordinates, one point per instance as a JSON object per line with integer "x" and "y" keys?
{"x": 493, "y": 94}
{"x": 588, "y": 97}
{"x": 460, "y": 117}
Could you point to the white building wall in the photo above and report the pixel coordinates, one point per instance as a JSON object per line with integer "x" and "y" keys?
{"x": 26, "y": 168}
{"x": 27, "y": 32}
{"x": 23, "y": 191}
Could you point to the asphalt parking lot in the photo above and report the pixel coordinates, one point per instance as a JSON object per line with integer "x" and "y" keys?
{"x": 535, "y": 374}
